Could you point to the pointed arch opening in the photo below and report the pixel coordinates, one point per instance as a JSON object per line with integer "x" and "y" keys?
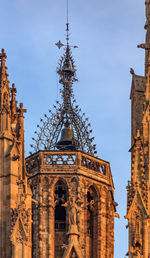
{"x": 92, "y": 222}
{"x": 60, "y": 197}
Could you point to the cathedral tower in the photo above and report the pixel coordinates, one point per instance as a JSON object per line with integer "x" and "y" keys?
{"x": 15, "y": 193}
{"x": 59, "y": 202}
{"x": 138, "y": 189}
{"x": 73, "y": 215}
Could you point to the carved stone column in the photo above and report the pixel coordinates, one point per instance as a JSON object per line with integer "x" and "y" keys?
{"x": 110, "y": 227}
{"x": 99, "y": 224}
{"x": 103, "y": 222}
{"x": 51, "y": 220}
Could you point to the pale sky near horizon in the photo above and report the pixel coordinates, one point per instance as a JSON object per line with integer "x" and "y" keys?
{"x": 107, "y": 33}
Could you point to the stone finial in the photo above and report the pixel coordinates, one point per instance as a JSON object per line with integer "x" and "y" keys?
{"x": 21, "y": 109}
{"x": 3, "y": 70}
{"x": 3, "y": 54}
{"x": 132, "y": 71}
{"x": 13, "y": 100}
{"x": 13, "y": 89}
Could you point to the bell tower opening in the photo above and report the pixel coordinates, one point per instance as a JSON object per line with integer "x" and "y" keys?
{"x": 60, "y": 194}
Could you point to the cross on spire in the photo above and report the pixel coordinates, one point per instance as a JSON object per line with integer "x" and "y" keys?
{"x": 59, "y": 44}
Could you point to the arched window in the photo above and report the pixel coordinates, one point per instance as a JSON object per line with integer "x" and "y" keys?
{"x": 92, "y": 222}
{"x": 61, "y": 197}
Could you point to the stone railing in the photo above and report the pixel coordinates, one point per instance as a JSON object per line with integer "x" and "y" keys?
{"x": 72, "y": 158}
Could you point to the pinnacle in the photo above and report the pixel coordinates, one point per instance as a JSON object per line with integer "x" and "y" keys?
{"x": 3, "y": 54}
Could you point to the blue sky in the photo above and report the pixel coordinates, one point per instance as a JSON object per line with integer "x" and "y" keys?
{"x": 107, "y": 33}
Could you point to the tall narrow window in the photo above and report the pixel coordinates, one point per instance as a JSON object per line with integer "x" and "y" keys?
{"x": 61, "y": 196}
{"x": 92, "y": 222}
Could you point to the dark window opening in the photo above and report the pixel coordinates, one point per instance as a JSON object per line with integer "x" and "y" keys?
{"x": 60, "y": 218}
{"x": 91, "y": 201}
{"x": 60, "y": 211}
{"x": 90, "y": 223}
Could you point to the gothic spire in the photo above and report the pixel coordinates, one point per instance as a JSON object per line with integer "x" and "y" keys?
{"x": 66, "y": 128}
{"x": 4, "y": 91}
{"x": 3, "y": 69}
{"x": 67, "y": 75}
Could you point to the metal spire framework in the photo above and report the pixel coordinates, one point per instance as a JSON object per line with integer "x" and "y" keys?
{"x": 65, "y": 128}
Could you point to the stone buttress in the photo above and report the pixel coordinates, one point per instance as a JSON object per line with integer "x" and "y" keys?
{"x": 15, "y": 193}
{"x": 138, "y": 189}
